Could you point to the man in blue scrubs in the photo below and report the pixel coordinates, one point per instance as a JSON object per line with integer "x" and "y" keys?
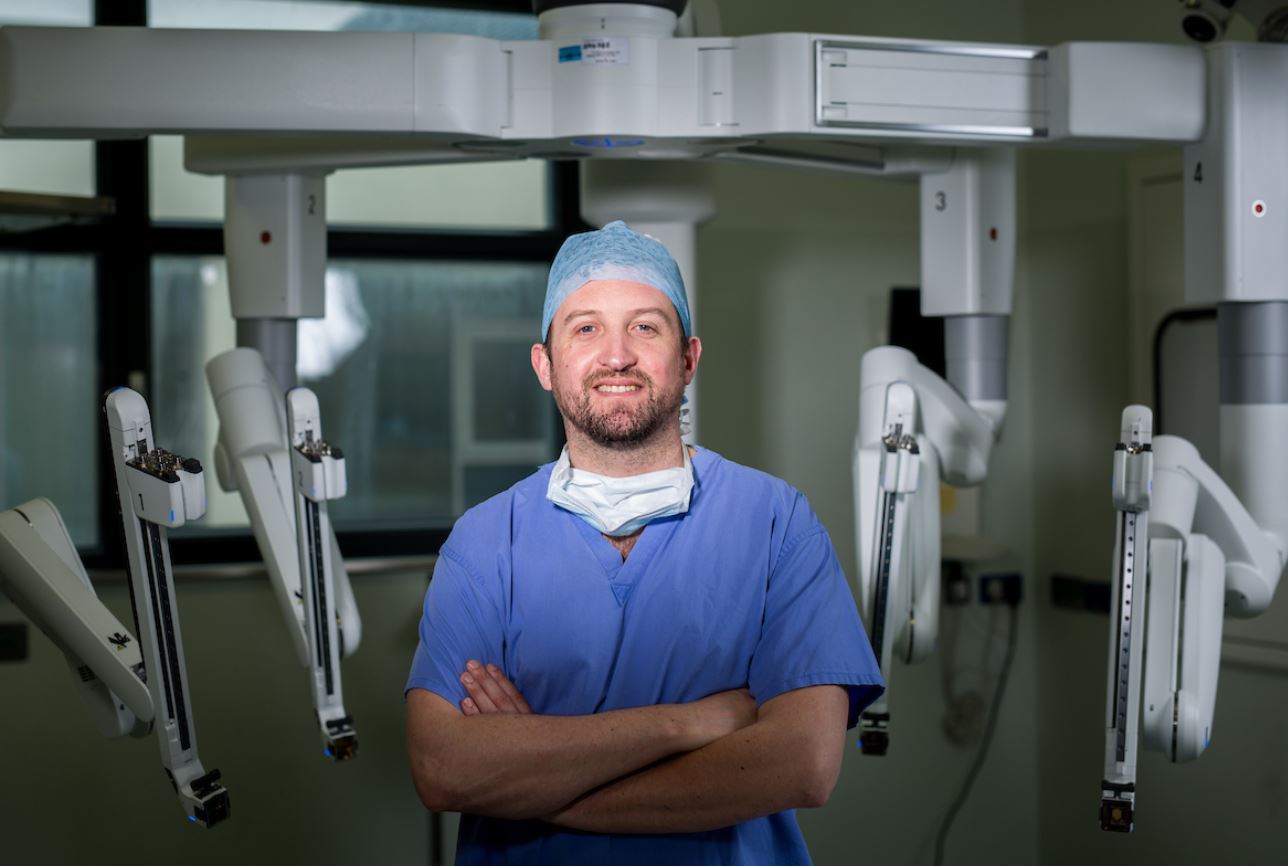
{"x": 643, "y": 653}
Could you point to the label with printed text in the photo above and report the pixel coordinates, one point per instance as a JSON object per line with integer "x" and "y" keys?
{"x": 601, "y": 50}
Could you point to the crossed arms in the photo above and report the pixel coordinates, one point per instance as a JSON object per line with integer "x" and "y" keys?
{"x": 659, "y": 769}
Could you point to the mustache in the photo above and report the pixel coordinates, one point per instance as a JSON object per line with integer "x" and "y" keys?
{"x": 635, "y": 378}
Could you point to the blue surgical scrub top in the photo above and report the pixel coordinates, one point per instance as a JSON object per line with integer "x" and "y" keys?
{"x": 742, "y": 591}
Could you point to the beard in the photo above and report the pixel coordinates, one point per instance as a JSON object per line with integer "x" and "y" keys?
{"x": 623, "y": 426}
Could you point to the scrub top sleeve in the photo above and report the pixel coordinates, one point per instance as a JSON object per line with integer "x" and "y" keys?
{"x": 461, "y": 621}
{"x": 811, "y": 634}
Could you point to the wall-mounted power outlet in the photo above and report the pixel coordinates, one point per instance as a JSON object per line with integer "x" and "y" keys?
{"x": 1004, "y": 588}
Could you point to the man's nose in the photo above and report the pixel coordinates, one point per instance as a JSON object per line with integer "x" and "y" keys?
{"x": 616, "y": 351}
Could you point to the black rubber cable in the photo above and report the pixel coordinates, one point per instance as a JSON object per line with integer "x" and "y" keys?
{"x": 1003, "y": 677}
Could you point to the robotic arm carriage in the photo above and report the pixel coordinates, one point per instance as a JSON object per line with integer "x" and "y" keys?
{"x": 318, "y": 470}
{"x": 160, "y": 490}
{"x": 1132, "y": 486}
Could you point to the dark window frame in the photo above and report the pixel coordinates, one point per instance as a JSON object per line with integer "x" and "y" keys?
{"x": 124, "y": 244}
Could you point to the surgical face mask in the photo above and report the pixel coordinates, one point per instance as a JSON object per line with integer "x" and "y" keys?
{"x": 620, "y": 506}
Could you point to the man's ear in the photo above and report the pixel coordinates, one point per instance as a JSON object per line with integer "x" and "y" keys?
{"x": 541, "y": 364}
{"x": 692, "y": 352}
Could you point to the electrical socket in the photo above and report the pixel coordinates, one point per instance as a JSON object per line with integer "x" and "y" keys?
{"x": 956, "y": 585}
{"x": 1003, "y": 588}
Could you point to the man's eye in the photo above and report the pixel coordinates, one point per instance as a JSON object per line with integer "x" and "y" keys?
{"x": 585, "y": 329}
{"x": 645, "y": 326}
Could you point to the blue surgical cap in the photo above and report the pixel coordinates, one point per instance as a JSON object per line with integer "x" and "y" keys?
{"x": 615, "y": 252}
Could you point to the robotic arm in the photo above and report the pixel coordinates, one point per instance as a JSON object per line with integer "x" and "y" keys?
{"x": 160, "y": 490}
{"x": 41, "y": 573}
{"x": 916, "y": 428}
{"x": 252, "y": 457}
{"x": 1213, "y": 535}
{"x": 1202, "y": 545}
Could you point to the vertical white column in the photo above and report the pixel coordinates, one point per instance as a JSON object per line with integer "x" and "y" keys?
{"x": 1236, "y": 220}
{"x": 667, "y": 201}
{"x": 275, "y": 244}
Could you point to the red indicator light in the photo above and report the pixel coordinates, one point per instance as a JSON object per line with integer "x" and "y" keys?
{"x": 1258, "y": 208}
{"x": 992, "y": 234}
{"x": 265, "y": 237}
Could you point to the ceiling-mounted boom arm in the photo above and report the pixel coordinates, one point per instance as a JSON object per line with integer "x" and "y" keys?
{"x": 320, "y": 101}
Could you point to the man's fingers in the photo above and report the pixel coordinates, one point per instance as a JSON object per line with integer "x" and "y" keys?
{"x": 492, "y": 687}
{"x": 508, "y": 687}
{"x": 491, "y": 697}
{"x": 469, "y": 708}
{"x": 481, "y": 699}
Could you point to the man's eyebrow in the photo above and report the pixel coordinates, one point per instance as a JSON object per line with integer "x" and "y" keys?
{"x": 657, "y": 311}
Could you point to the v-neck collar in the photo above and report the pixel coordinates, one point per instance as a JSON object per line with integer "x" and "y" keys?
{"x": 622, "y": 574}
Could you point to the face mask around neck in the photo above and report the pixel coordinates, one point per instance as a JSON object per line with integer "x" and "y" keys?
{"x": 620, "y": 506}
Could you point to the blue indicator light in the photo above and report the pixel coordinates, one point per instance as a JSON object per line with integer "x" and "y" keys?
{"x": 172, "y": 515}
{"x": 326, "y": 752}
{"x": 192, "y": 818}
{"x": 608, "y": 142}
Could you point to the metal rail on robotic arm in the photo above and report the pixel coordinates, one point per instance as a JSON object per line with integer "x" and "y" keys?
{"x": 1133, "y": 478}
{"x": 318, "y": 470}
{"x": 160, "y": 490}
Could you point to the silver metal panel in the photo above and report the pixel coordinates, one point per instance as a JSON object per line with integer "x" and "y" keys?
{"x": 930, "y": 89}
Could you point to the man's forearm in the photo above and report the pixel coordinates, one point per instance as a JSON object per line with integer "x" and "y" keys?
{"x": 526, "y": 766}
{"x": 784, "y": 761}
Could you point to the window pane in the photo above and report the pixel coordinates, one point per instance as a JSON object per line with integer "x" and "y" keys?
{"x": 504, "y": 195}
{"x": 60, "y": 167}
{"x": 50, "y": 426}
{"x": 421, "y": 370}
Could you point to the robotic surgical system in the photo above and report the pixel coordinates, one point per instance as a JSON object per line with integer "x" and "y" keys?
{"x": 131, "y": 686}
{"x": 630, "y": 89}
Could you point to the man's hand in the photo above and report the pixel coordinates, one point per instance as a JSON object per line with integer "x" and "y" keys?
{"x": 789, "y": 759}
{"x": 490, "y": 691}
{"x": 494, "y": 756}
{"x": 713, "y": 717}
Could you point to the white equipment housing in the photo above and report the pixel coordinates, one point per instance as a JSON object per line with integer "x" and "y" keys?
{"x": 1202, "y": 541}
{"x": 160, "y": 490}
{"x": 391, "y": 98}
{"x": 914, "y": 429}
{"x": 251, "y": 457}
{"x": 41, "y": 572}
{"x": 318, "y": 470}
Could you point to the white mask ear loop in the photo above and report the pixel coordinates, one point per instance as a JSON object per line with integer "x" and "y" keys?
{"x": 620, "y": 506}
